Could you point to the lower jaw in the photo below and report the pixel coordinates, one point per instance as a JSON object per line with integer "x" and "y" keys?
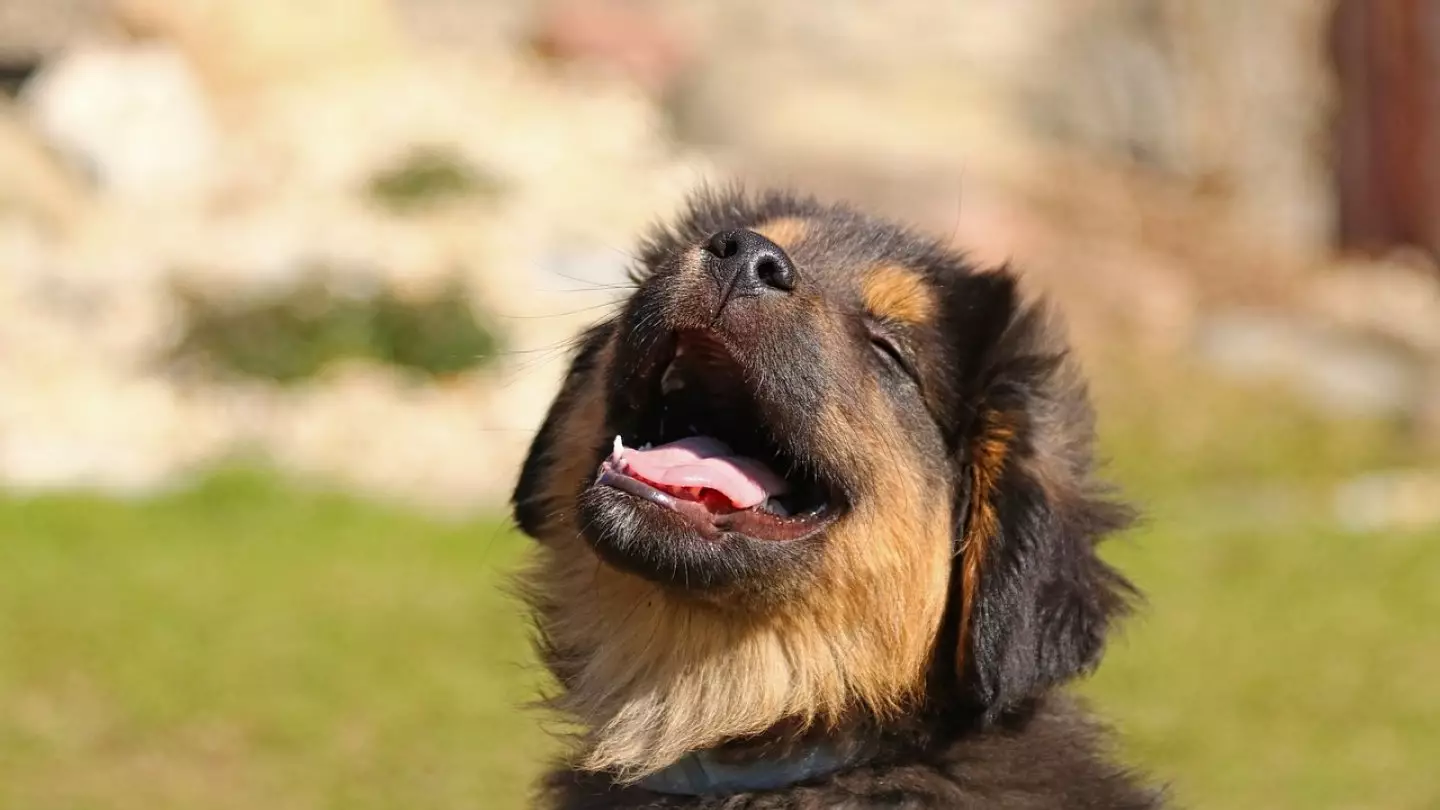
{"x": 693, "y": 512}
{"x": 754, "y": 525}
{"x": 637, "y": 536}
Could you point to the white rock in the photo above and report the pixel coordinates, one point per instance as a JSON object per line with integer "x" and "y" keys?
{"x": 1337, "y": 372}
{"x": 1389, "y": 500}
{"x": 134, "y": 118}
{"x": 1393, "y": 299}
{"x": 390, "y": 438}
{"x": 94, "y": 428}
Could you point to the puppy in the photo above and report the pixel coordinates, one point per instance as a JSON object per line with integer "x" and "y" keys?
{"x": 816, "y": 528}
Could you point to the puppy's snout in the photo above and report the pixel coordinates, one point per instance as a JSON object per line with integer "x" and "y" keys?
{"x": 745, "y": 263}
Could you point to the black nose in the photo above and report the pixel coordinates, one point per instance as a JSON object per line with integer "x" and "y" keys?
{"x": 746, "y": 263}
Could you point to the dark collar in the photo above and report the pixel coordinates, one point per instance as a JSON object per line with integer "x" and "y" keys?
{"x": 709, "y": 773}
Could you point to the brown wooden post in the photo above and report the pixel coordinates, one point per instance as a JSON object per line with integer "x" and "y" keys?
{"x": 1386, "y": 55}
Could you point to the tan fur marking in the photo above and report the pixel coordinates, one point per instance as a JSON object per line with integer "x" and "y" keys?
{"x": 987, "y": 465}
{"x": 787, "y": 232}
{"x": 895, "y": 292}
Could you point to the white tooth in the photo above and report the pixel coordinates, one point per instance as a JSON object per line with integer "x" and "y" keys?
{"x": 645, "y": 446}
{"x": 774, "y": 506}
{"x": 619, "y": 449}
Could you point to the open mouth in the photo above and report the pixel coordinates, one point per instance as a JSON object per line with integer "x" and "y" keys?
{"x": 701, "y": 450}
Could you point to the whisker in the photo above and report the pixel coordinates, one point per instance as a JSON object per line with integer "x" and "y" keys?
{"x": 566, "y": 314}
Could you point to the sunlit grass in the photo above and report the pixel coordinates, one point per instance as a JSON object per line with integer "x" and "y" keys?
{"x": 245, "y": 645}
{"x": 1280, "y": 661}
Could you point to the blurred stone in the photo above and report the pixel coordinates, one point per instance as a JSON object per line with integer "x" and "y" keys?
{"x": 391, "y": 438}
{"x": 623, "y": 37}
{"x": 132, "y": 118}
{"x": 1338, "y": 373}
{"x": 254, "y": 45}
{"x": 897, "y": 116}
{"x": 93, "y": 428}
{"x": 465, "y": 25}
{"x": 1231, "y": 96}
{"x": 543, "y": 144}
{"x": 31, "y": 30}
{"x": 280, "y": 197}
{"x": 36, "y": 185}
{"x": 257, "y": 251}
{"x": 1389, "y": 500}
{"x": 1126, "y": 294}
{"x": 1397, "y": 299}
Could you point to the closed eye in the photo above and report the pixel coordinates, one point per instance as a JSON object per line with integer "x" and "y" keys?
{"x": 887, "y": 348}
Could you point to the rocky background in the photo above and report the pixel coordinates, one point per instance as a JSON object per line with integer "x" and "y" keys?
{"x": 350, "y": 238}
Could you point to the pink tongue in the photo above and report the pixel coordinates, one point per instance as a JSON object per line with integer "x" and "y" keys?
{"x": 701, "y": 461}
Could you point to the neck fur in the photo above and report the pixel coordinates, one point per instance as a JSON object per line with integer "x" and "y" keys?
{"x": 654, "y": 677}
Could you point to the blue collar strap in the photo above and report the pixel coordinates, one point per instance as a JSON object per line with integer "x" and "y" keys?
{"x": 702, "y": 773}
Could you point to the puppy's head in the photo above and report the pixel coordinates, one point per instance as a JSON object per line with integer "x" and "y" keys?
{"x": 817, "y": 468}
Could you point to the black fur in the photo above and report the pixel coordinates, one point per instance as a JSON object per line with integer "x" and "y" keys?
{"x": 529, "y": 507}
{"x": 1042, "y": 756}
{"x": 1046, "y": 599}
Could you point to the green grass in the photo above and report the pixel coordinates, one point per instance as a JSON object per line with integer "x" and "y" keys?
{"x": 1283, "y": 669}
{"x": 245, "y": 645}
{"x": 248, "y": 644}
{"x": 1280, "y": 661}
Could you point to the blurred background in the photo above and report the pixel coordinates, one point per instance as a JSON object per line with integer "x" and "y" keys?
{"x": 285, "y": 288}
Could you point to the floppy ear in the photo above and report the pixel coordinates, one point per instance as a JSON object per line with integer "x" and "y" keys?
{"x": 539, "y": 498}
{"x": 1031, "y": 598}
